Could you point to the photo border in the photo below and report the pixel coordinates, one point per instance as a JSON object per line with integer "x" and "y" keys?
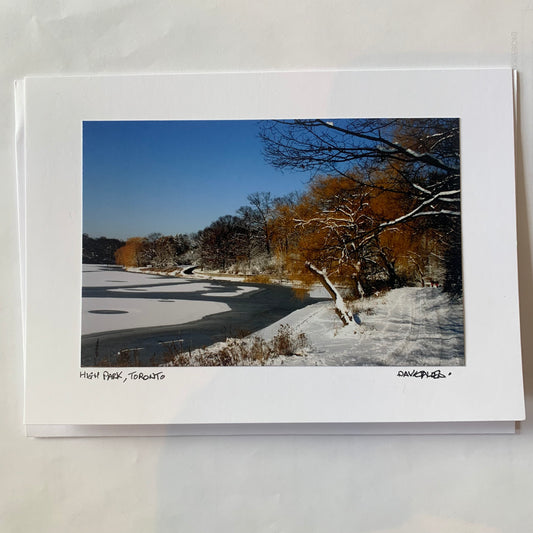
{"x": 99, "y": 345}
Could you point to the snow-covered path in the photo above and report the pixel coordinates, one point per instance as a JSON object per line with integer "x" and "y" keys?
{"x": 404, "y": 327}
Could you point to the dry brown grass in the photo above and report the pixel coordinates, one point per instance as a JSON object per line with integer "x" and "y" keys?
{"x": 123, "y": 358}
{"x": 248, "y": 351}
{"x": 259, "y": 278}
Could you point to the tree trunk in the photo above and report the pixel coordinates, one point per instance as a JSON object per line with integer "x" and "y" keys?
{"x": 340, "y": 306}
{"x": 360, "y": 292}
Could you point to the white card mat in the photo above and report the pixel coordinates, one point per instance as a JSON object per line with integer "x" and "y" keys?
{"x": 483, "y": 396}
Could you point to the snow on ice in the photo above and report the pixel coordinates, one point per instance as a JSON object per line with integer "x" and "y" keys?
{"x": 112, "y": 314}
{"x": 130, "y": 313}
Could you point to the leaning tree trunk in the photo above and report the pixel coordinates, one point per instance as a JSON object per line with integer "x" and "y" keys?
{"x": 340, "y": 306}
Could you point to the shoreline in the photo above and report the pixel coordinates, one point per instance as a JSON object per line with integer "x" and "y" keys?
{"x": 248, "y": 311}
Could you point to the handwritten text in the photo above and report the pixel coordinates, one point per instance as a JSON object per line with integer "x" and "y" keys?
{"x": 121, "y": 375}
{"x": 422, "y": 374}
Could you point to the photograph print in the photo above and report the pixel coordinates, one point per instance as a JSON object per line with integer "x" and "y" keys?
{"x": 318, "y": 242}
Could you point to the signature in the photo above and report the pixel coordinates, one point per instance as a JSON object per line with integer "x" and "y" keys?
{"x": 422, "y": 374}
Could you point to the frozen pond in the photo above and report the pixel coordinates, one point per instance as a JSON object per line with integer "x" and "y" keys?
{"x": 145, "y": 313}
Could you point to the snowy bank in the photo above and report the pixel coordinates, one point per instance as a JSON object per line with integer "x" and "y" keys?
{"x": 404, "y": 327}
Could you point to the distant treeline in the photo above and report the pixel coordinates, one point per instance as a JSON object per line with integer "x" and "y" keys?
{"x": 244, "y": 243}
{"x": 100, "y": 250}
{"x": 156, "y": 251}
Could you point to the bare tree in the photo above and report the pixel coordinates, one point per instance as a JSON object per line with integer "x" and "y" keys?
{"x": 416, "y": 160}
{"x": 262, "y": 204}
{"x": 222, "y": 243}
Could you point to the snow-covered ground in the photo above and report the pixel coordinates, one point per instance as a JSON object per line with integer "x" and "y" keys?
{"x": 112, "y": 314}
{"x": 408, "y": 326}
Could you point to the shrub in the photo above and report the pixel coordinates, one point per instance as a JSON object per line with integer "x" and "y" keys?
{"x": 286, "y": 343}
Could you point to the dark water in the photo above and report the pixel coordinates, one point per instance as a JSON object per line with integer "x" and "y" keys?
{"x": 249, "y": 312}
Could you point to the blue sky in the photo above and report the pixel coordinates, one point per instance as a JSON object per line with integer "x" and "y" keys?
{"x": 172, "y": 176}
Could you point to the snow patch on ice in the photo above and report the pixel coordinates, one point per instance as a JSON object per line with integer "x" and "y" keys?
{"x": 237, "y": 292}
{"x": 178, "y": 286}
{"x": 142, "y": 313}
{"x": 109, "y": 276}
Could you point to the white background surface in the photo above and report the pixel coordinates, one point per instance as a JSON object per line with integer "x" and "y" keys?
{"x": 381, "y": 484}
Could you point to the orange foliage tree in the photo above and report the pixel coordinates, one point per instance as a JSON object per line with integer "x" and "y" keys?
{"x": 130, "y": 255}
{"x": 394, "y": 199}
{"x": 339, "y": 234}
